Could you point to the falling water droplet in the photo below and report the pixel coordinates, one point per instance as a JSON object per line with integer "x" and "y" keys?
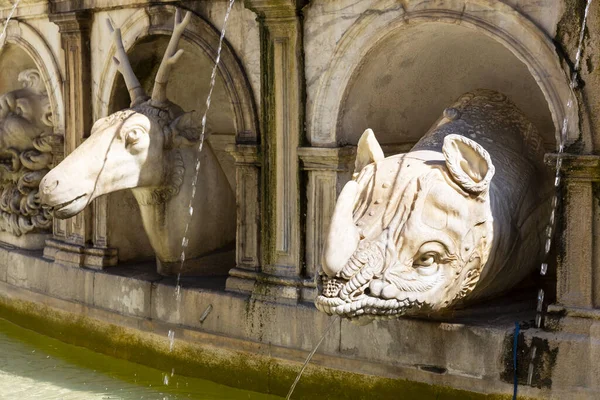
{"x": 171, "y": 336}
{"x": 10, "y": 15}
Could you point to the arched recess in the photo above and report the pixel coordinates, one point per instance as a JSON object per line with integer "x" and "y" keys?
{"x": 157, "y": 20}
{"x": 35, "y": 46}
{"x": 232, "y": 118}
{"x": 495, "y": 20}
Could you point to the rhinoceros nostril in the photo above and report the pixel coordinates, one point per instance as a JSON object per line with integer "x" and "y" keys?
{"x": 49, "y": 187}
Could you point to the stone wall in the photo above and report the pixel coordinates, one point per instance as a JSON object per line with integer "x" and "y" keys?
{"x": 299, "y": 81}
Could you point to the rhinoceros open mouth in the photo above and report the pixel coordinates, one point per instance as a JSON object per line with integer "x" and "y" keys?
{"x": 359, "y": 302}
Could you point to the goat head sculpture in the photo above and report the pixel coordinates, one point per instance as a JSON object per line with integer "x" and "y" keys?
{"x": 143, "y": 148}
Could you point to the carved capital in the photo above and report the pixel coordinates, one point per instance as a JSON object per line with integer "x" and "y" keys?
{"x": 245, "y": 154}
{"x": 72, "y": 22}
{"x": 585, "y": 168}
{"x": 270, "y": 10}
{"x": 327, "y": 159}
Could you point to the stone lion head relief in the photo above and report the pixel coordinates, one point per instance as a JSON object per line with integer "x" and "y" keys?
{"x": 26, "y": 142}
{"x": 455, "y": 219}
{"x": 149, "y": 148}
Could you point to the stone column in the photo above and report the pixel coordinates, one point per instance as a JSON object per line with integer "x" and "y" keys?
{"x": 328, "y": 170}
{"x": 578, "y": 271}
{"x": 73, "y": 238}
{"x": 282, "y": 104}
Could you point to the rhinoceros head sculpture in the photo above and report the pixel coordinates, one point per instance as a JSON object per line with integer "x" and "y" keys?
{"x": 458, "y": 217}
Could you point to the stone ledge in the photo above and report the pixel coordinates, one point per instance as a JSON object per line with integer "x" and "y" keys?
{"x": 262, "y": 367}
{"x": 467, "y": 355}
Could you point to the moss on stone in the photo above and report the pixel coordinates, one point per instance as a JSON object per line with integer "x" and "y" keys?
{"x": 239, "y": 369}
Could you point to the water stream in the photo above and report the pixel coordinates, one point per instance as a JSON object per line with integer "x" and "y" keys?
{"x": 310, "y": 356}
{"x": 185, "y": 239}
{"x": 10, "y": 15}
{"x": 213, "y": 78}
{"x": 557, "y": 180}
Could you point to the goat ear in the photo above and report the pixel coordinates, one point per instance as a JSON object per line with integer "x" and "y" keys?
{"x": 185, "y": 130}
{"x": 469, "y": 164}
{"x": 368, "y": 151}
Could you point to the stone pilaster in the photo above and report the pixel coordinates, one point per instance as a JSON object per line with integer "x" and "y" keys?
{"x": 578, "y": 272}
{"x": 247, "y": 175}
{"x": 73, "y": 241}
{"x": 282, "y": 103}
{"x": 328, "y": 169}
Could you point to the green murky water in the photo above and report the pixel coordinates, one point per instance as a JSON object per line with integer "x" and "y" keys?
{"x": 33, "y": 366}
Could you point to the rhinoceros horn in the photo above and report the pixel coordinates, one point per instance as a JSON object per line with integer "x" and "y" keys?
{"x": 344, "y": 236}
{"x": 469, "y": 164}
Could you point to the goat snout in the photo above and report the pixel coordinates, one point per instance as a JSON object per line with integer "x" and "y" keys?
{"x": 48, "y": 186}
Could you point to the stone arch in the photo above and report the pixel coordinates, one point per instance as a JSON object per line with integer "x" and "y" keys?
{"x": 157, "y": 20}
{"x": 496, "y": 20}
{"x": 29, "y": 40}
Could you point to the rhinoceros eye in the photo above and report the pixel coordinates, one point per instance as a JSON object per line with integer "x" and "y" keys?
{"x": 426, "y": 261}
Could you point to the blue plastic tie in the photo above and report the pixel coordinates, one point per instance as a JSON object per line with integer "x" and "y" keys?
{"x": 515, "y": 345}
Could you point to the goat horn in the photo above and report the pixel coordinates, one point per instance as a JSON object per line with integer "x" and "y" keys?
{"x": 136, "y": 93}
{"x": 159, "y": 93}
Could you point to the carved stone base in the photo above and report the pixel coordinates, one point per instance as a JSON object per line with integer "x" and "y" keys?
{"x": 30, "y": 241}
{"x": 217, "y": 263}
{"x": 80, "y": 256}
{"x": 267, "y": 287}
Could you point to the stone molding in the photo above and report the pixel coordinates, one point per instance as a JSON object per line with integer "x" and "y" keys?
{"x": 492, "y": 18}
{"x": 577, "y": 167}
{"x": 277, "y": 10}
{"x": 340, "y": 159}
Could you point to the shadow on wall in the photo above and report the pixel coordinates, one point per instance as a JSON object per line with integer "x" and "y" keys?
{"x": 188, "y": 88}
{"x": 13, "y": 61}
{"x": 405, "y": 82}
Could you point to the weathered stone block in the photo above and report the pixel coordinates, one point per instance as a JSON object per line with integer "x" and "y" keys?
{"x": 70, "y": 283}
{"x": 122, "y": 294}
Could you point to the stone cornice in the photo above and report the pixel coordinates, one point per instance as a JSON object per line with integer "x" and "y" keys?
{"x": 245, "y": 154}
{"x": 276, "y": 9}
{"x": 72, "y": 22}
{"x": 577, "y": 167}
{"x": 330, "y": 159}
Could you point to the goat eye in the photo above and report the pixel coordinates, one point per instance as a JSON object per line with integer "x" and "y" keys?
{"x": 132, "y": 137}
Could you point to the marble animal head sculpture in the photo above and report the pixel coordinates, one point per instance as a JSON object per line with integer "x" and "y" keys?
{"x": 149, "y": 148}
{"x": 26, "y": 141}
{"x": 459, "y": 217}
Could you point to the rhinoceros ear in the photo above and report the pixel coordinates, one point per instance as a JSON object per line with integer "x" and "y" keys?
{"x": 368, "y": 151}
{"x": 469, "y": 164}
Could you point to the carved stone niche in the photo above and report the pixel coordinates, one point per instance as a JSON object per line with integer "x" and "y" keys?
{"x": 458, "y": 218}
{"x": 151, "y": 149}
{"x": 27, "y": 142}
